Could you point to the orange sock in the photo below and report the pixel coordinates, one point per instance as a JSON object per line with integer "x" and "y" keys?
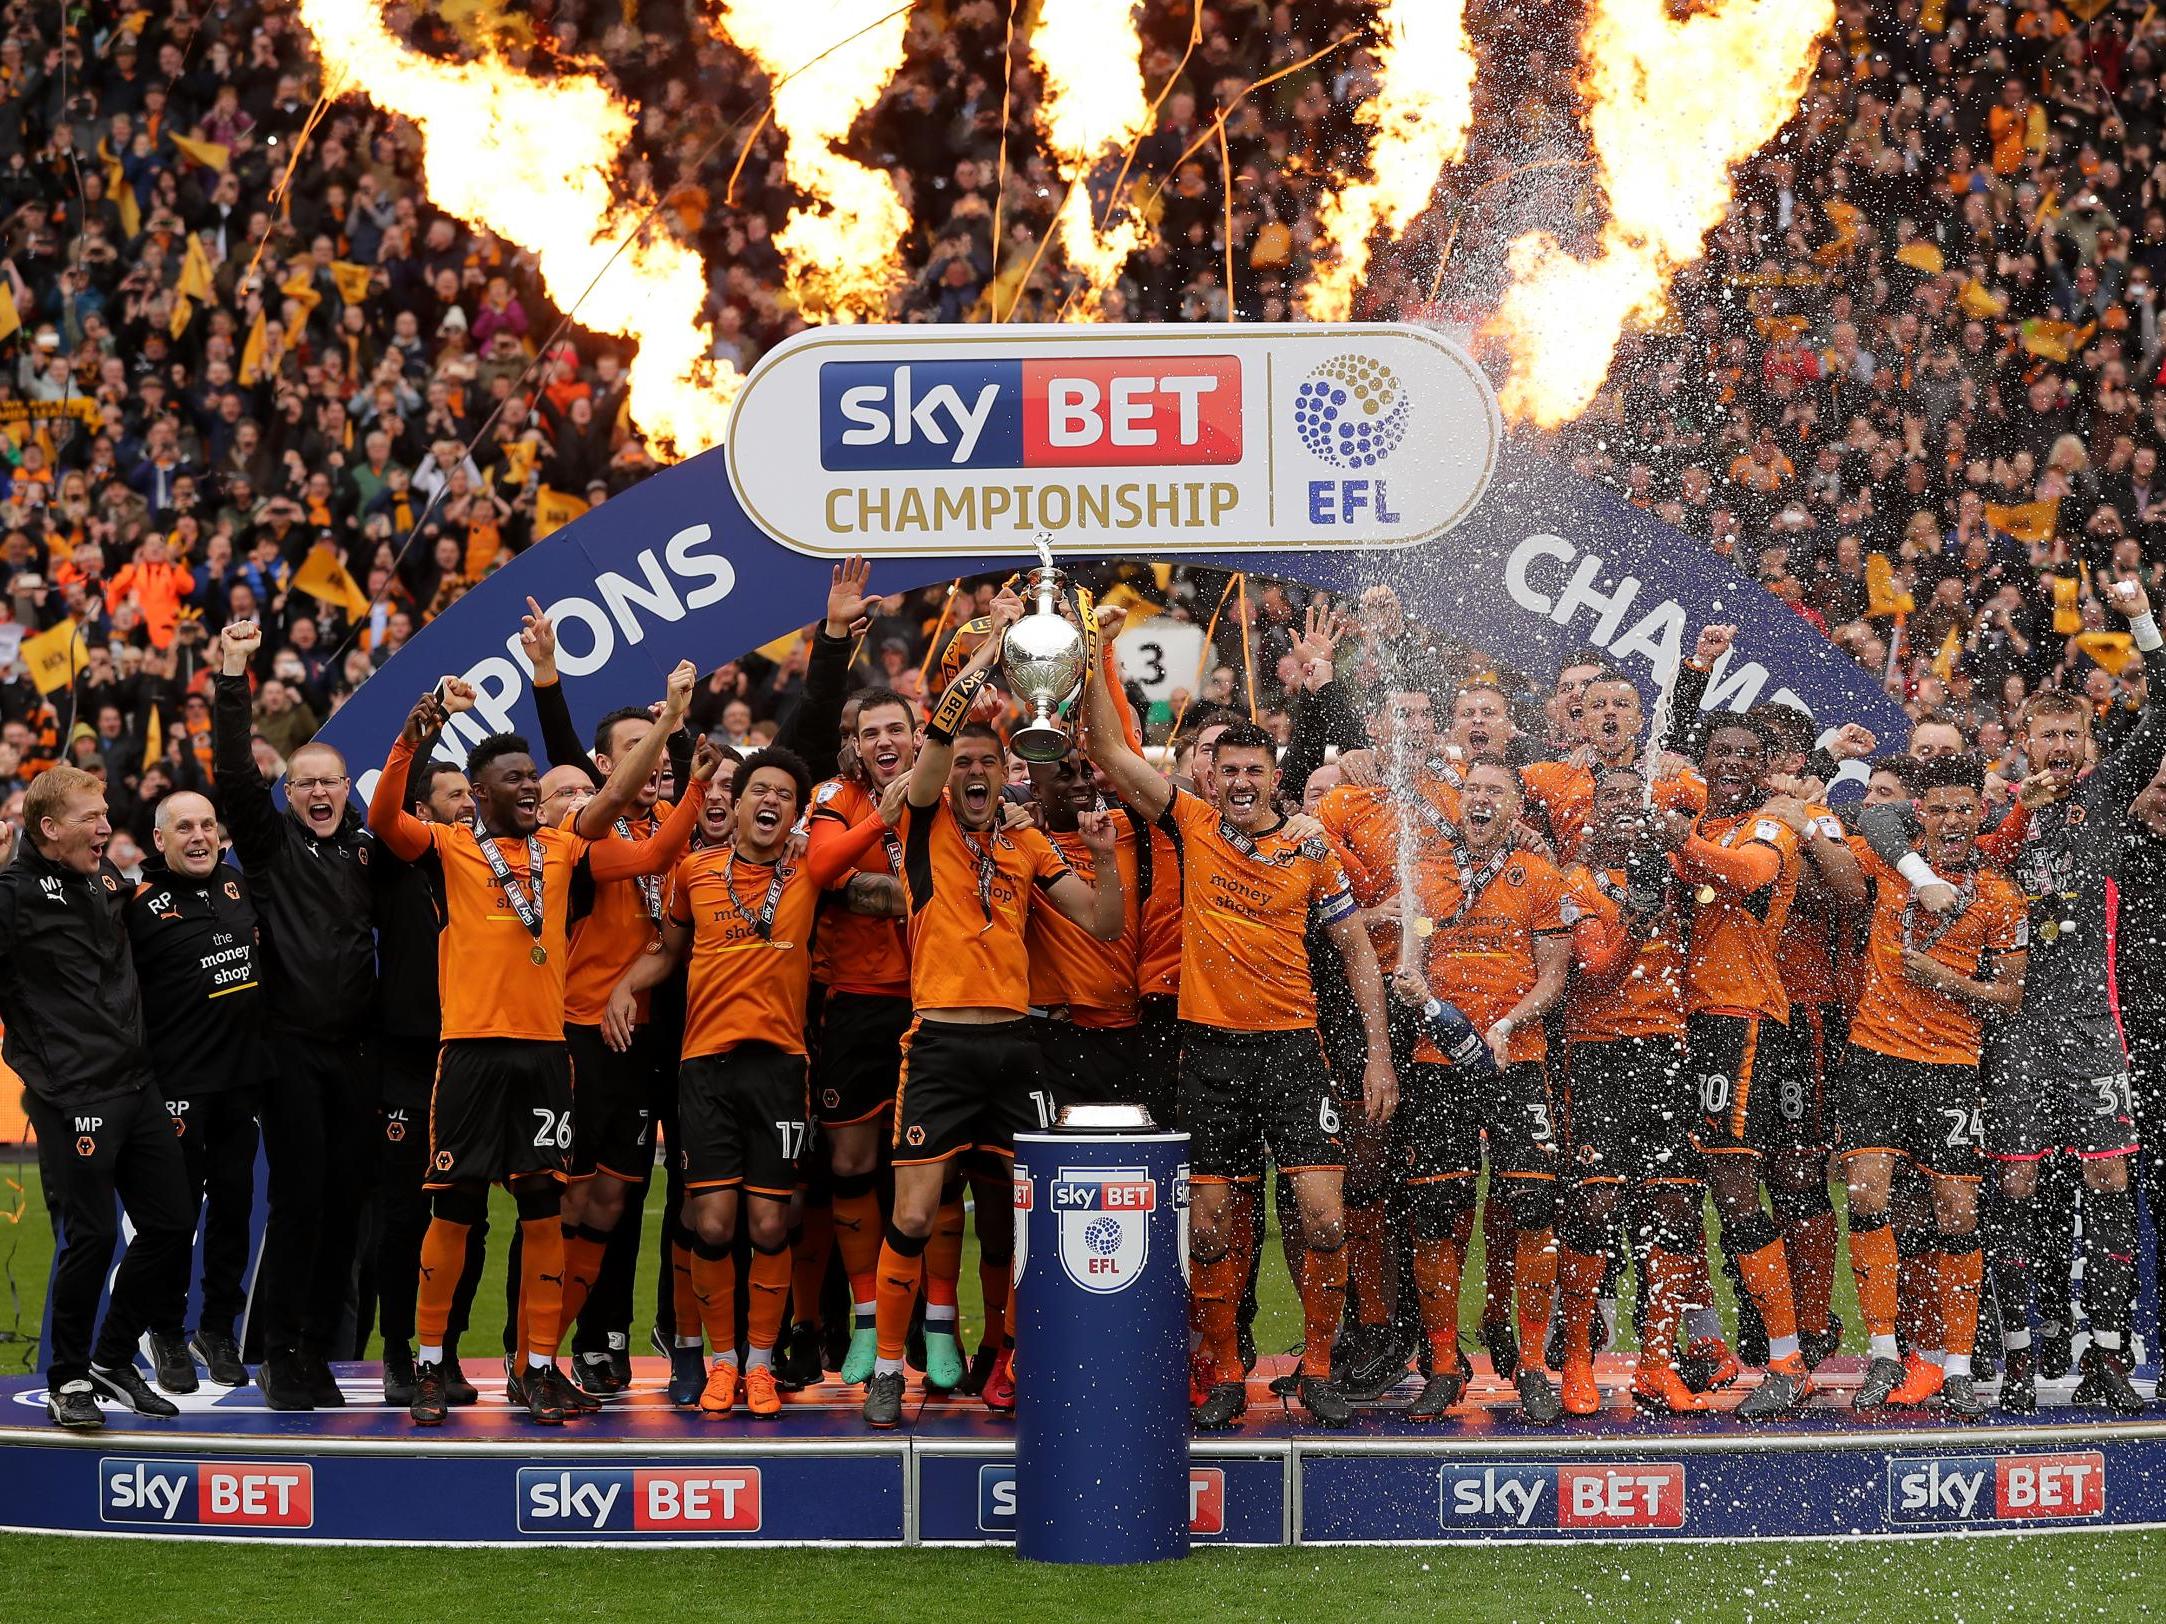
{"x": 995, "y": 1279}
{"x": 1214, "y": 1303}
{"x": 944, "y": 1257}
{"x": 899, "y": 1273}
{"x": 1962, "y": 1275}
{"x": 1368, "y": 1262}
{"x": 583, "y": 1251}
{"x": 808, "y": 1271}
{"x": 683, "y": 1294}
{"x": 1438, "y": 1265}
{"x": 1673, "y": 1281}
{"x": 856, "y": 1223}
{"x": 1767, "y": 1277}
{"x": 1809, "y": 1248}
{"x": 1499, "y": 1255}
{"x": 443, "y": 1255}
{"x": 1534, "y": 1266}
{"x": 770, "y": 1282}
{"x": 541, "y": 1284}
{"x": 1323, "y": 1305}
{"x": 1874, "y": 1262}
{"x": 1579, "y": 1276}
{"x": 714, "y": 1293}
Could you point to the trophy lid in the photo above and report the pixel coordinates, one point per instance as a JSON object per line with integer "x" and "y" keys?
{"x": 1104, "y": 1116}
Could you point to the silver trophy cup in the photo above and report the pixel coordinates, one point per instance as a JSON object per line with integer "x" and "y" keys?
{"x": 1042, "y": 657}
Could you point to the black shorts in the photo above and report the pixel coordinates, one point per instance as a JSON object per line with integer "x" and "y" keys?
{"x": 1929, "y": 1115}
{"x": 968, "y": 1088}
{"x": 1244, "y": 1095}
{"x": 1097, "y": 1063}
{"x": 612, "y": 1120}
{"x": 1792, "y": 1075}
{"x": 861, "y": 1037}
{"x": 1450, "y": 1118}
{"x": 405, "y": 1082}
{"x": 2058, "y": 1084}
{"x": 501, "y": 1109}
{"x": 1748, "y": 1104}
{"x": 1629, "y": 1112}
{"x": 742, "y": 1120}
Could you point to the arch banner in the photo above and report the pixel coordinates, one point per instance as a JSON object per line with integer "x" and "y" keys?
{"x": 1338, "y": 456}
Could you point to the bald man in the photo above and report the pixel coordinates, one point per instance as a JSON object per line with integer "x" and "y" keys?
{"x": 192, "y": 932}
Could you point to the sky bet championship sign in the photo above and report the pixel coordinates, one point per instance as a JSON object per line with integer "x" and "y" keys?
{"x": 1341, "y": 457}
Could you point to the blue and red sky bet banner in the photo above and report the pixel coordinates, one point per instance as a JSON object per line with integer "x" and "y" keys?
{"x": 1336, "y": 456}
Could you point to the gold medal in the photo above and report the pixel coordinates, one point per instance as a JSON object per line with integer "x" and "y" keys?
{"x": 782, "y": 947}
{"x": 540, "y": 954}
{"x": 2050, "y": 930}
{"x": 1704, "y": 895}
{"x": 1424, "y": 927}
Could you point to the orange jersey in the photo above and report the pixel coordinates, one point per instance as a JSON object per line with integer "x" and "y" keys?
{"x": 624, "y": 923}
{"x": 1565, "y": 793}
{"x": 1805, "y": 954}
{"x": 1364, "y": 828}
{"x": 1739, "y": 919}
{"x": 971, "y": 895}
{"x": 490, "y": 985}
{"x": 853, "y": 952}
{"x": 1480, "y": 956}
{"x": 1069, "y": 967}
{"x": 1898, "y": 1017}
{"x": 1609, "y": 999}
{"x": 1245, "y": 918}
{"x": 739, "y": 987}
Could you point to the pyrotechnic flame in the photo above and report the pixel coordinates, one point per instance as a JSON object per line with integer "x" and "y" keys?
{"x": 842, "y": 252}
{"x": 529, "y": 159}
{"x": 1094, "y": 107}
{"x": 1421, "y": 111}
{"x": 1672, "y": 104}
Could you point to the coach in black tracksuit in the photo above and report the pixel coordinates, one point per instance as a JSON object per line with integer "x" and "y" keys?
{"x": 310, "y": 872}
{"x": 74, "y": 1015}
{"x": 192, "y": 927}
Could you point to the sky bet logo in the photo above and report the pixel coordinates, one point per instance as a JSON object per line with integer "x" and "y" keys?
{"x": 1066, "y": 413}
{"x": 641, "y": 1500}
{"x": 1995, "y": 1488}
{"x": 207, "y": 1494}
{"x": 1206, "y": 1500}
{"x": 1641, "y": 1494}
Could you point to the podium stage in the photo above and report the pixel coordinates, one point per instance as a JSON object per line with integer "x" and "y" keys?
{"x": 641, "y": 1473}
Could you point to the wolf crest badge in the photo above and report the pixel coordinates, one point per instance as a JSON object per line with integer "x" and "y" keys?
{"x": 1105, "y": 1224}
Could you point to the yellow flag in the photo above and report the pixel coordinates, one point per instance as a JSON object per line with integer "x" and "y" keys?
{"x": 2112, "y": 650}
{"x": 321, "y": 575}
{"x": 252, "y": 354}
{"x": 131, "y": 212}
{"x": 1921, "y": 255}
{"x": 2024, "y": 521}
{"x": 299, "y": 286}
{"x": 184, "y": 310}
{"x": 1882, "y": 597}
{"x": 54, "y": 657}
{"x": 194, "y": 281}
{"x": 2067, "y": 617}
{"x": 1976, "y": 301}
{"x": 1944, "y": 659}
{"x": 352, "y": 280}
{"x": 210, "y": 154}
{"x": 779, "y": 649}
{"x": 153, "y": 737}
{"x": 11, "y": 319}
{"x": 1127, "y": 597}
{"x": 553, "y": 510}
{"x": 2086, "y": 10}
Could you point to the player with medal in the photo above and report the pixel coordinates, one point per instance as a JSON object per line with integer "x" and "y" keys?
{"x": 501, "y": 1109}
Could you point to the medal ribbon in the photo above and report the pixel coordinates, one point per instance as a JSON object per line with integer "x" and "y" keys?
{"x": 650, "y": 885}
{"x": 528, "y": 909}
{"x": 764, "y": 922}
{"x": 1965, "y": 895}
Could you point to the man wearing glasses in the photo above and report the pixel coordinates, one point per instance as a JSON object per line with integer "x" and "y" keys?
{"x": 309, "y": 869}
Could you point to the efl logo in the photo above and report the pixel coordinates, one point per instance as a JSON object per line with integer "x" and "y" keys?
{"x": 2023, "y": 1488}
{"x": 1643, "y": 1494}
{"x": 207, "y": 1494}
{"x": 1067, "y": 413}
{"x": 642, "y": 1500}
{"x": 1206, "y": 1500}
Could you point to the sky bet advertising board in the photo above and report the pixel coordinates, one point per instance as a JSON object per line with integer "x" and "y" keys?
{"x": 1340, "y": 457}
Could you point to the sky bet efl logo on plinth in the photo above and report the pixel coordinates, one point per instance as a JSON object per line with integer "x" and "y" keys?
{"x": 1114, "y": 439}
{"x": 1105, "y": 1224}
{"x": 207, "y": 1494}
{"x": 1996, "y": 1488}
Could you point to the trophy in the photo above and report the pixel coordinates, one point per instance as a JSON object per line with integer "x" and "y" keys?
{"x": 1045, "y": 661}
